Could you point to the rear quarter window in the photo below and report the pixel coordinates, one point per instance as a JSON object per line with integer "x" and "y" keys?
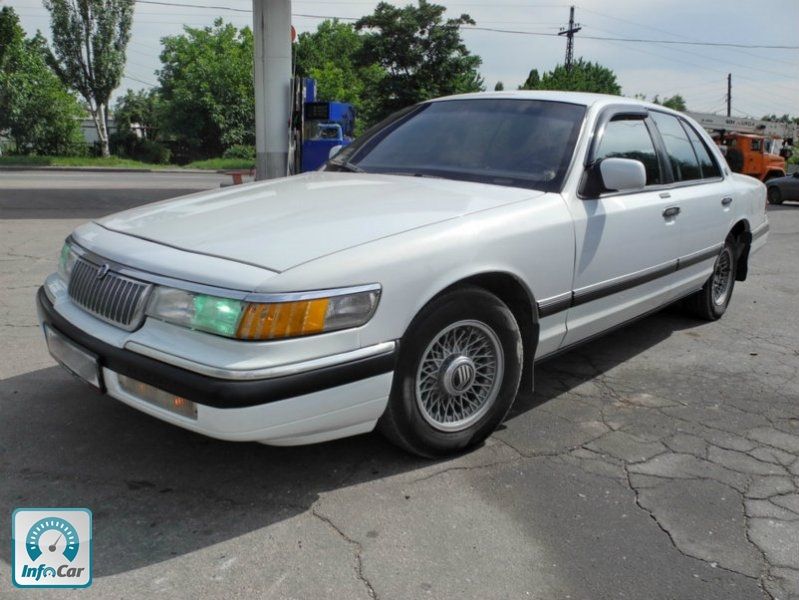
{"x": 683, "y": 159}
{"x": 708, "y": 165}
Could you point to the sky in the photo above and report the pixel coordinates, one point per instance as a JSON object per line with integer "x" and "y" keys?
{"x": 764, "y": 81}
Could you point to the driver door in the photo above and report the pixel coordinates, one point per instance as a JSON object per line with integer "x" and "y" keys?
{"x": 627, "y": 243}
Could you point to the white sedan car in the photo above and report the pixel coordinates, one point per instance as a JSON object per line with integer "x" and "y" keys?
{"x": 411, "y": 284}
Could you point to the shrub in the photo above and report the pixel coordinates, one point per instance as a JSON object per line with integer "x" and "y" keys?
{"x": 123, "y": 143}
{"x": 241, "y": 151}
{"x": 152, "y": 152}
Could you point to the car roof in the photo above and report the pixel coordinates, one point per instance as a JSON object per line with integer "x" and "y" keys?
{"x": 583, "y": 98}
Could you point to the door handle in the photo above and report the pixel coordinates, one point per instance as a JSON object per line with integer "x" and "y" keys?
{"x": 671, "y": 211}
{"x": 726, "y": 201}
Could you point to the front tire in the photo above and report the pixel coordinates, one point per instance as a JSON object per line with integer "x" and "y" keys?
{"x": 774, "y": 195}
{"x": 457, "y": 375}
{"x": 711, "y": 302}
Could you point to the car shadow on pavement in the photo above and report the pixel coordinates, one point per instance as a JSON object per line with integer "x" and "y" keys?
{"x": 158, "y": 491}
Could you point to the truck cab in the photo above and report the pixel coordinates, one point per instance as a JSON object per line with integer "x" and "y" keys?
{"x": 748, "y": 154}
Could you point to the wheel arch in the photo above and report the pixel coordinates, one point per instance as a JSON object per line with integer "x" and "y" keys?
{"x": 773, "y": 174}
{"x": 741, "y": 233}
{"x": 517, "y": 296}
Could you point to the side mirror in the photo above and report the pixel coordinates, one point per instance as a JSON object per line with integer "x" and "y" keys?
{"x": 622, "y": 174}
{"x": 334, "y": 150}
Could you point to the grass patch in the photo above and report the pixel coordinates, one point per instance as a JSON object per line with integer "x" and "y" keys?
{"x": 221, "y": 164}
{"x": 211, "y": 164}
{"x": 76, "y": 161}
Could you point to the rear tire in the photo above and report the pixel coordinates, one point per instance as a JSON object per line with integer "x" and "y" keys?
{"x": 774, "y": 195}
{"x": 711, "y": 302}
{"x": 457, "y": 375}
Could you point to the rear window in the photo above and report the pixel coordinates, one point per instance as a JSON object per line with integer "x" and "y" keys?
{"x": 683, "y": 160}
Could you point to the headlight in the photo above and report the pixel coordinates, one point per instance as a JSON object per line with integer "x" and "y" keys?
{"x": 263, "y": 321}
{"x": 66, "y": 261}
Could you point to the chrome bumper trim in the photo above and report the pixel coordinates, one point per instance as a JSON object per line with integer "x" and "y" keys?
{"x": 267, "y": 372}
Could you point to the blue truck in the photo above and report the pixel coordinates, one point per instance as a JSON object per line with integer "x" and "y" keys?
{"x": 325, "y": 125}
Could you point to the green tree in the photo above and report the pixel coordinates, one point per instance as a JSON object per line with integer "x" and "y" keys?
{"x": 675, "y": 102}
{"x": 207, "y": 93}
{"x": 140, "y": 106}
{"x": 421, "y": 53}
{"x": 89, "y": 39}
{"x": 786, "y": 118}
{"x": 329, "y": 55}
{"x": 584, "y": 76}
{"x": 36, "y": 110}
{"x": 499, "y": 87}
{"x": 532, "y": 82}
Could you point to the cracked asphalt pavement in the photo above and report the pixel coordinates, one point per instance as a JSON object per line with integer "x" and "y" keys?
{"x": 660, "y": 461}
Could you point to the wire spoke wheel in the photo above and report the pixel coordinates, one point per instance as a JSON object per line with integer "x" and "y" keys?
{"x": 722, "y": 277}
{"x": 459, "y": 375}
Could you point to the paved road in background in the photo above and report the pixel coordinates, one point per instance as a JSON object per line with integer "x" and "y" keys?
{"x": 87, "y": 194}
{"x": 659, "y": 462}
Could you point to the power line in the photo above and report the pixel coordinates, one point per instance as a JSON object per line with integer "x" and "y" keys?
{"x": 703, "y": 67}
{"x": 637, "y": 40}
{"x": 618, "y": 39}
{"x": 750, "y": 91}
{"x": 507, "y": 31}
{"x": 185, "y": 5}
{"x": 711, "y": 58}
{"x": 672, "y": 33}
{"x": 126, "y": 76}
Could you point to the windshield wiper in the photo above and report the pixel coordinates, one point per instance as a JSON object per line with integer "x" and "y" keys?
{"x": 414, "y": 174}
{"x": 348, "y": 166}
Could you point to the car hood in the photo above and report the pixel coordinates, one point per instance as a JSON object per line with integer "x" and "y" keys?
{"x": 282, "y": 223}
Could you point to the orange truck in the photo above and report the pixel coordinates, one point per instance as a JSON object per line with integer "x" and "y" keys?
{"x": 752, "y": 147}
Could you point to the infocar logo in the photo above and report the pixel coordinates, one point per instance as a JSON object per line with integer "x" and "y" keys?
{"x": 51, "y": 547}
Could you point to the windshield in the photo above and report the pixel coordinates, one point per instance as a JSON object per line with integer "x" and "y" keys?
{"x": 503, "y": 141}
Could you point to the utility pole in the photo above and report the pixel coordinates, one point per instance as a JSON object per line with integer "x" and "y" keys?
{"x": 569, "y": 33}
{"x": 729, "y": 94}
{"x": 272, "y": 77}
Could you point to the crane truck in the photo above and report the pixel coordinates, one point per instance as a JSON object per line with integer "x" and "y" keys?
{"x": 752, "y": 147}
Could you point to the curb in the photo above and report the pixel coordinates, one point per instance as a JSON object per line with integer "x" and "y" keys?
{"x": 107, "y": 169}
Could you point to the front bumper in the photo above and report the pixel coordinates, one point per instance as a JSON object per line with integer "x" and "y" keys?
{"x": 316, "y": 405}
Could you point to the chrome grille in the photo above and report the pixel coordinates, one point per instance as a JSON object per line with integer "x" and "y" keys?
{"x": 108, "y": 295}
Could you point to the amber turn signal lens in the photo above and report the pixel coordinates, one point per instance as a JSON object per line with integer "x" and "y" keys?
{"x": 281, "y": 320}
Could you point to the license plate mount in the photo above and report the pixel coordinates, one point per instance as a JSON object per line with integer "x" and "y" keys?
{"x": 80, "y": 362}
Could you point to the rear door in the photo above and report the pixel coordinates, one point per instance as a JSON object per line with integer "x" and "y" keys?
{"x": 790, "y": 187}
{"x": 704, "y": 198}
{"x": 627, "y": 243}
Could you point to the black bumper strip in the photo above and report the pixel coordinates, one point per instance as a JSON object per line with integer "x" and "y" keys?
{"x": 210, "y": 391}
{"x": 551, "y": 308}
{"x": 547, "y": 309}
{"x": 695, "y": 259}
{"x": 620, "y": 286}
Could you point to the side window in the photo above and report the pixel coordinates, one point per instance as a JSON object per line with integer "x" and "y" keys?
{"x": 684, "y": 164}
{"x": 629, "y": 138}
{"x": 757, "y": 145}
{"x": 710, "y": 167}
